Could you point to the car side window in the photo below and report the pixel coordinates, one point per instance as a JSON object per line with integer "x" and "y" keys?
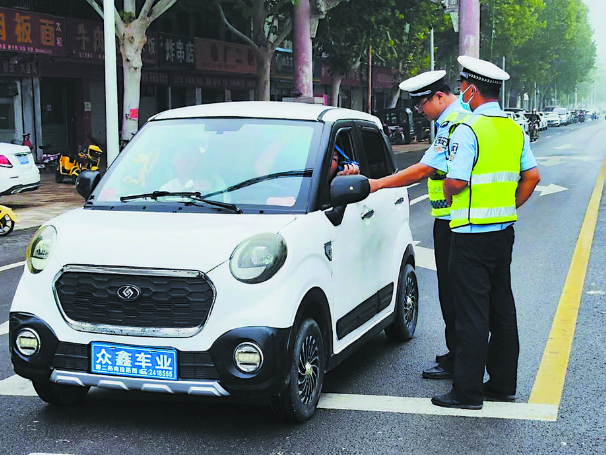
{"x": 340, "y": 149}
{"x": 375, "y": 150}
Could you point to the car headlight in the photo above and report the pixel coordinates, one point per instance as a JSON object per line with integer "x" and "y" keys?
{"x": 258, "y": 258}
{"x": 40, "y": 248}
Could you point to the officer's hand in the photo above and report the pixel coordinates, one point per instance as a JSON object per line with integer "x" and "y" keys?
{"x": 374, "y": 185}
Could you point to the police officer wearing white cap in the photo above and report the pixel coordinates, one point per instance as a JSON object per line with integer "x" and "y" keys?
{"x": 492, "y": 172}
{"x": 434, "y": 99}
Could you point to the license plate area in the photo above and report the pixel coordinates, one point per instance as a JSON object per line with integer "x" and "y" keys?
{"x": 134, "y": 361}
{"x": 23, "y": 159}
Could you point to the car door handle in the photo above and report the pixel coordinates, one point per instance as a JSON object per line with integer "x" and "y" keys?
{"x": 399, "y": 201}
{"x": 368, "y": 215}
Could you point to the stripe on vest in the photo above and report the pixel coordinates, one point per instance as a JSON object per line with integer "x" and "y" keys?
{"x": 496, "y": 212}
{"x": 496, "y": 177}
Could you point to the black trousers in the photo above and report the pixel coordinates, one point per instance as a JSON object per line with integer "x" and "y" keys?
{"x": 441, "y": 243}
{"x": 486, "y": 324}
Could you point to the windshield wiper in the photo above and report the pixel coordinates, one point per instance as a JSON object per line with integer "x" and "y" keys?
{"x": 194, "y": 195}
{"x": 276, "y": 175}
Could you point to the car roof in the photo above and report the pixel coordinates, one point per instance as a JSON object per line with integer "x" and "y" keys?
{"x": 267, "y": 109}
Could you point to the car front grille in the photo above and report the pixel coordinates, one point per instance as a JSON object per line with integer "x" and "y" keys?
{"x": 135, "y": 302}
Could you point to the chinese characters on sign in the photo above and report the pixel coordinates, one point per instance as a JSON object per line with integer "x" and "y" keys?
{"x": 177, "y": 51}
{"x": 32, "y": 33}
{"x": 226, "y": 57}
{"x": 128, "y": 361}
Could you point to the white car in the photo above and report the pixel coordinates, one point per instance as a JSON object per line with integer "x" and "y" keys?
{"x": 244, "y": 269}
{"x": 18, "y": 171}
{"x": 520, "y": 119}
{"x": 553, "y": 119}
{"x": 543, "y": 118}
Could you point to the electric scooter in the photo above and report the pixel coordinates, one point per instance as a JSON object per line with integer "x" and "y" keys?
{"x": 8, "y": 219}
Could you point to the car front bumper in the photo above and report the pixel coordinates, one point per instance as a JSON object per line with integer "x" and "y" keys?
{"x": 211, "y": 373}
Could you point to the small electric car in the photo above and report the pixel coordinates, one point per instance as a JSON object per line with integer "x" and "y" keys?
{"x": 231, "y": 260}
{"x": 18, "y": 170}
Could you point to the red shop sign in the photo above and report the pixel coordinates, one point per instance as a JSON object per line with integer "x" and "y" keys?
{"x": 32, "y": 33}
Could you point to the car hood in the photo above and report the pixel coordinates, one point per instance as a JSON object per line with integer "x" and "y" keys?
{"x": 198, "y": 241}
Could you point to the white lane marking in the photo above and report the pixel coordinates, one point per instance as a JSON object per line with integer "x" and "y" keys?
{"x": 411, "y": 185}
{"x": 4, "y": 328}
{"x": 17, "y": 386}
{"x": 11, "y": 266}
{"x": 403, "y": 405}
{"x": 424, "y": 257}
{"x": 559, "y": 159}
{"x": 549, "y": 189}
{"x": 419, "y": 199}
{"x": 563, "y": 147}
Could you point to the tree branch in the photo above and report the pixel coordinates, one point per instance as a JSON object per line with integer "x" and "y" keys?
{"x": 160, "y": 8}
{"x": 287, "y": 28}
{"x": 96, "y": 7}
{"x": 234, "y": 29}
{"x": 117, "y": 18}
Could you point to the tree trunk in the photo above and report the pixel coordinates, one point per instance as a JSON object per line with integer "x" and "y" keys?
{"x": 394, "y": 96}
{"x": 335, "y": 87}
{"x": 265, "y": 55}
{"x": 131, "y": 45}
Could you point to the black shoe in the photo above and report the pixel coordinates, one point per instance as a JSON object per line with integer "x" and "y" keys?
{"x": 492, "y": 395}
{"x": 447, "y": 401}
{"x": 437, "y": 372}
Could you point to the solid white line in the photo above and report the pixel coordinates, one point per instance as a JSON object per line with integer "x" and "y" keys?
{"x": 419, "y": 199}
{"x": 11, "y": 266}
{"x": 4, "y": 328}
{"x": 493, "y": 410}
{"x": 17, "y": 386}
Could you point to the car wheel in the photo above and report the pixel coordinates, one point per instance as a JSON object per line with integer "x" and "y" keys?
{"x": 407, "y": 306}
{"x": 6, "y": 225}
{"x": 298, "y": 402}
{"x": 58, "y": 176}
{"x": 60, "y": 394}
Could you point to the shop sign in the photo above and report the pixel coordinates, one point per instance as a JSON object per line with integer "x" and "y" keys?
{"x": 225, "y": 57}
{"x": 283, "y": 62}
{"x": 85, "y": 40}
{"x": 351, "y": 80}
{"x": 154, "y": 78}
{"x": 177, "y": 51}
{"x": 383, "y": 77}
{"x": 32, "y": 33}
{"x": 20, "y": 68}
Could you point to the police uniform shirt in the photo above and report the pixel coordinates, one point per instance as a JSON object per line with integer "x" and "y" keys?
{"x": 436, "y": 156}
{"x": 463, "y": 155}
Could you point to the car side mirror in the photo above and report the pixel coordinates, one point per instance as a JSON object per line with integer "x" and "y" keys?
{"x": 347, "y": 189}
{"x": 86, "y": 183}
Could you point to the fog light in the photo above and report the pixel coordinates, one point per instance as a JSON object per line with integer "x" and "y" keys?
{"x": 28, "y": 342}
{"x": 248, "y": 357}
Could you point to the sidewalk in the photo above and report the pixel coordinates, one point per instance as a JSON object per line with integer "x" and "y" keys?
{"x": 412, "y": 147}
{"x": 50, "y": 200}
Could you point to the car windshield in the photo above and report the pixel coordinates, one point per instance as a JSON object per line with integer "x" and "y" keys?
{"x": 243, "y": 162}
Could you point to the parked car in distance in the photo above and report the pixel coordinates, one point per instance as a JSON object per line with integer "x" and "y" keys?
{"x": 563, "y": 113}
{"x": 234, "y": 261}
{"x": 553, "y": 119}
{"x": 543, "y": 118}
{"x": 400, "y": 124}
{"x": 519, "y": 118}
{"x": 18, "y": 170}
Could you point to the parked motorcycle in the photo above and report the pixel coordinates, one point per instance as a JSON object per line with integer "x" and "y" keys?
{"x": 71, "y": 164}
{"x": 49, "y": 161}
{"x": 8, "y": 219}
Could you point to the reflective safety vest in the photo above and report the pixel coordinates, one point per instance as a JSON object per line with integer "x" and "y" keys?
{"x": 490, "y": 197}
{"x": 435, "y": 183}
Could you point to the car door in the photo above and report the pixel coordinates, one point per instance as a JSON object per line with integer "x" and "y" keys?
{"x": 388, "y": 224}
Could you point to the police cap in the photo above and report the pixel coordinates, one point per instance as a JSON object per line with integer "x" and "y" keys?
{"x": 425, "y": 84}
{"x": 481, "y": 70}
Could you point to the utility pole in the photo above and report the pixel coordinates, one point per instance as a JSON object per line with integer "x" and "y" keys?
{"x": 503, "y": 89}
{"x": 111, "y": 82}
{"x": 431, "y": 67}
{"x": 302, "y": 49}
{"x": 370, "y": 79}
{"x": 469, "y": 28}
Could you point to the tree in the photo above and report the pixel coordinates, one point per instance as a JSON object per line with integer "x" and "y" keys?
{"x": 130, "y": 30}
{"x": 271, "y": 24}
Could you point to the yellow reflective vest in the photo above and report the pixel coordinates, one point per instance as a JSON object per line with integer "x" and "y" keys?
{"x": 435, "y": 183}
{"x": 490, "y": 197}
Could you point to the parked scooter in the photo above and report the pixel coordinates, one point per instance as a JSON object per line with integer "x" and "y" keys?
{"x": 49, "y": 161}
{"x": 70, "y": 165}
{"x": 8, "y": 219}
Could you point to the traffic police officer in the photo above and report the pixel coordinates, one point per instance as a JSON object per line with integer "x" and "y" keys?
{"x": 492, "y": 172}
{"x": 435, "y": 100}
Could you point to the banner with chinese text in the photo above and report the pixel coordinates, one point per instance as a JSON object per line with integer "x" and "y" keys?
{"x": 32, "y": 33}
{"x": 225, "y": 57}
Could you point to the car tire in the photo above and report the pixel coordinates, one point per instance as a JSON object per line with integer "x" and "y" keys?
{"x": 407, "y": 306}
{"x": 60, "y": 394}
{"x": 58, "y": 176}
{"x": 297, "y": 403}
{"x": 7, "y": 224}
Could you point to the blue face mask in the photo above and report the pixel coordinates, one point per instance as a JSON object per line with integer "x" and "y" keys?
{"x": 465, "y": 105}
